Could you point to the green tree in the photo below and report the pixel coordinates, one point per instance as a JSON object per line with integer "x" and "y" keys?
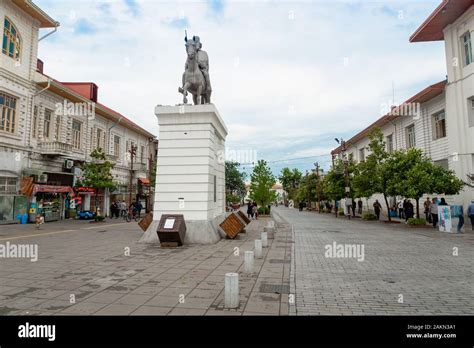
{"x": 97, "y": 173}
{"x": 234, "y": 181}
{"x": 373, "y": 175}
{"x": 262, "y": 181}
{"x": 418, "y": 175}
{"x": 290, "y": 180}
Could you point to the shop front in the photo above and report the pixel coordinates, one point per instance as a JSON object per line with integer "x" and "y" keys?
{"x": 50, "y": 201}
{"x": 144, "y": 193}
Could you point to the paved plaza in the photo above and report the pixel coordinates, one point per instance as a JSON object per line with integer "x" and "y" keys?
{"x": 403, "y": 270}
{"x": 416, "y": 263}
{"x": 88, "y": 262}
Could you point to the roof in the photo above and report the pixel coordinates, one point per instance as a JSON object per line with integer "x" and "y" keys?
{"x": 446, "y": 13}
{"x": 63, "y": 90}
{"x": 34, "y": 11}
{"x": 421, "y": 97}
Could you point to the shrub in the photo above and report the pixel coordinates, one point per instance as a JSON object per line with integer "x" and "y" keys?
{"x": 369, "y": 216}
{"x": 263, "y": 211}
{"x": 416, "y": 222}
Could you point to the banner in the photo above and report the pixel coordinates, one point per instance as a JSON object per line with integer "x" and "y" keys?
{"x": 444, "y": 215}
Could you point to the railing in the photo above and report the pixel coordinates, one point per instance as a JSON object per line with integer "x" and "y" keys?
{"x": 54, "y": 148}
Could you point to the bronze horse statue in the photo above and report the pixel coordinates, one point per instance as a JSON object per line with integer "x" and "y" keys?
{"x": 196, "y": 76}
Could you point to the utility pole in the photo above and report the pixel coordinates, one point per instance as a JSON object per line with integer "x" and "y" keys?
{"x": 346, "y": 175}
{"x": 318, "y": 186}
{"x": 133, "y": 152}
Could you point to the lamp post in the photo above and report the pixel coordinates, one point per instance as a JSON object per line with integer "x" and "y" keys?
{"x": 318, "y": 186}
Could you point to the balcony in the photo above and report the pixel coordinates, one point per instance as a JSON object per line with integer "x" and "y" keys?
{"x": 54, "y": 148}
{"x": 139, "y": 167}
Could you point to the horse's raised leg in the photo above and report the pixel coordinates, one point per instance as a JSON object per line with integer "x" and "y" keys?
{"x": 184, "y": 90}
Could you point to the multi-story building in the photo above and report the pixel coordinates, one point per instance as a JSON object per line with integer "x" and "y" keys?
{"x": 49, "y": 128}
{"x": 440, "y": 119}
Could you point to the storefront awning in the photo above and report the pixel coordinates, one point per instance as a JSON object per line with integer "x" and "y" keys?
{"x": 144, "y": 181}
{"x": 52, "y": 189}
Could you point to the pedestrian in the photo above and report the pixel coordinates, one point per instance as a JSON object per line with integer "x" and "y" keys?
{"x": 434, "y": 212}
{"x": 359, "y": 206}
{"x": 123, "y": 208}
{"x": 442, "y": 202}
{"x": 139, "y": 207}
{"x": 458, "y": 211}
{"x": 249, "y": 210}
{"x": 377, "y": 207}
{"x": 354, "y": 204}
{"x": 400, "y": 209}
{"x": 405, "y": 202}
{"x": 255, "y": 210}
{"x": 300, "y": 205}
{"x": 409, "y": 210}
{"x": 113, "y": 209}
{"x": 427, "y": 205}
{"x": 470, "y": 213}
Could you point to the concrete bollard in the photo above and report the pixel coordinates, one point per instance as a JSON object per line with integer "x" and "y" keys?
{"x": 248, "y": 262}
{"x": 231, "y": 292}
{"x": 270, "y": 231}
{"x": 264, "y": 238}
{"x": 258, "y": 249}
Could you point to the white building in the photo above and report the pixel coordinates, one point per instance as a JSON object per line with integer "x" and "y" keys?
{"x": 440, "y": 119}
{"x": 42, "y": 145}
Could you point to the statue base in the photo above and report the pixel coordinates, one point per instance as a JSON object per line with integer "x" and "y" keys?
{"x": 190, "y": 173}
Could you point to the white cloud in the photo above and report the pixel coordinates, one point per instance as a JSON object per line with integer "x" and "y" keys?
{"x": 278, "y": 68}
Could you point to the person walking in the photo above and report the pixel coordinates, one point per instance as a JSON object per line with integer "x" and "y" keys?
{"x": 434, "y": 212}
{"x": 377, "y": 207}
{"x": 427, "y": 205}
{"x": 300, "y": 205}
{"x": 123, "y": 209}
{"x": 139, "y": 207}
{"x": 400, "y": 209}
{"x": 410, "y": 211}
{"x": 354, "y": 204}
{"x": 255, "y": 210}
{"x": 249, "y": 210}
{"x": 458, "y": 211}
{"x": 470, "y": 213}
{"x": 359, "y": 206}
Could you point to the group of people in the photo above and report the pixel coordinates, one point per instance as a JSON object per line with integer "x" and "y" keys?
{"x": 119, "y": 209}
{"x": 252, "y": 210}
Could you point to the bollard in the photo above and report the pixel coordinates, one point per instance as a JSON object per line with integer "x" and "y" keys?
{"x": 264, "y": 240}
{"x": 258, "y": 248}
{"x": 270, "y": 231}
{"x": 248, "y": 262}
{"x": 231, "y": 292}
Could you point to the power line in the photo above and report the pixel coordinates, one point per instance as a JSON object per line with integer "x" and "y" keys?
{"x": 286, "y": 160}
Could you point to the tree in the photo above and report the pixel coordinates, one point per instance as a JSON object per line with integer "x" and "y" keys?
{"x": 97, "y": 173}
{"x": 262, "y": 181}
{"x": 234, "y": 181}
{"x": 373, "y": 176}
{"x": 290, "y": 180}
{"x": 418, "y": 175}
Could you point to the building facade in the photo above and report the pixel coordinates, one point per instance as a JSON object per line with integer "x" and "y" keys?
{"x": 440, "y": 119}
{"x": 49, "y": 128}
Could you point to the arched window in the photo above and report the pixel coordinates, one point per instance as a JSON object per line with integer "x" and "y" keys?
{"x": 11, "y": 40}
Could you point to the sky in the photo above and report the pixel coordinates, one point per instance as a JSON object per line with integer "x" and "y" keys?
{"x": 288, "y": 76}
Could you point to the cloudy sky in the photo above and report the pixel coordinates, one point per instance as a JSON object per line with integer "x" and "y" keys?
{"x": 288, "y": 76}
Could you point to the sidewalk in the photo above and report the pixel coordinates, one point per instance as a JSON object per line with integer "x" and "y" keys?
{"x": 91, "y": 265}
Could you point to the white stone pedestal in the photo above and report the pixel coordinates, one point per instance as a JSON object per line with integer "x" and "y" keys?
{"x": 190, "y": 174}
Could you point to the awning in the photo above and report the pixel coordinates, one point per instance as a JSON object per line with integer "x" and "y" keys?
{"x": 52, "y": 189}
{"x": 144, "y": 181}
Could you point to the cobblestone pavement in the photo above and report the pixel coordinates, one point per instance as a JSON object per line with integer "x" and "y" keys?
{"x": 415, "y": 263}
{"x": 87, "y": 262}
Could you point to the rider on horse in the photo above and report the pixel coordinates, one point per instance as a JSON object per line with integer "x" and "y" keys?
{"x": 202, "y": 60}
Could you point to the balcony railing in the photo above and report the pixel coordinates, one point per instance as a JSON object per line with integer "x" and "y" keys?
{"x": 54, "y": 148}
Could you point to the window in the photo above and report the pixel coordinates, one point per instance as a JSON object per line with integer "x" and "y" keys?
{"x": 410, "y": 134}
{"x": 467, "y": 45}
{"x": 34, "y": 121}
{"x": 390, "y": 143}
{"x": 76, "y": 134}
{"x": 470, "y": 111}
{"x": 7, "y": 113}
{"x": 47, "y": 124}
{"x": 444, "y": 163}
{"x": 142, "y": 154}
{"x": 100, "y": 138}
{"x": 439, "y": 125}
{"x": 116, "y": 145}
{"x": 362, "y": 155}
{"x": 215, "y": 188}
{"x": 8, "y": 185}
{"x": 58, "y": 127}
{"x": 11, "y": 40}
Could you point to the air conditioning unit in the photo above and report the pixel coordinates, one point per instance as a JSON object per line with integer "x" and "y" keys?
{"x": 68, "y": 164}
{"x": 43, "y": 178}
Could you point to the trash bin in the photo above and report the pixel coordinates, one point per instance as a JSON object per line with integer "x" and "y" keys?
{"x": 23, "y": 218}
